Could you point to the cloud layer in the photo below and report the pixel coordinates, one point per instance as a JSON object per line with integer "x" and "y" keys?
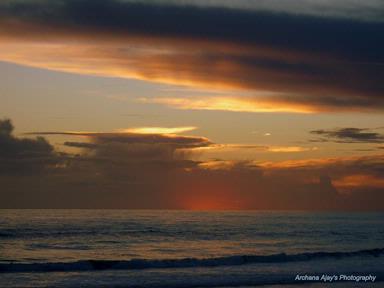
{"x": 328, "y": 62}
{"x": 125, "y": 170}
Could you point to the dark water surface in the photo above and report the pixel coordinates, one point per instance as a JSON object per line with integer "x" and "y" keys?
{"x": 153, "y": 248}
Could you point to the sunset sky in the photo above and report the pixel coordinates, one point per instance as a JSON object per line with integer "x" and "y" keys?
{"x": 192, "y": 104}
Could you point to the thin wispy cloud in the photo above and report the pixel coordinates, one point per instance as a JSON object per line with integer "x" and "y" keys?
{"x": 159, "y": 138}
{"x": 234, "y": 104}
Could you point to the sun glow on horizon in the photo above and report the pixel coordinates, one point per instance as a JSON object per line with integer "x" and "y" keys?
{"x": 210, "y": 203}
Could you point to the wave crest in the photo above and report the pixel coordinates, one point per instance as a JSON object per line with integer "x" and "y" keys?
{"x": 96, "y": 265}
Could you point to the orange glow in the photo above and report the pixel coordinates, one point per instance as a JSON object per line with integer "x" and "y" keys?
{"x": 217, "y": 165}
{"x": 316, "y": 162}
{"x": 302, "y": 163}
{"x": 207, "y": 203}
{"x": 210, "y": 194}
{"x": 358, "y": 180}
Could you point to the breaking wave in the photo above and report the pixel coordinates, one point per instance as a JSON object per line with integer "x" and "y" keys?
{"x": 96, "y": 265}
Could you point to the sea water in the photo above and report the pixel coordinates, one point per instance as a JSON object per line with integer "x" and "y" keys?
{"x": 164, "y": 248}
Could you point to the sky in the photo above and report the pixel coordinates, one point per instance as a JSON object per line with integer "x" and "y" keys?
{"x": 202, "y": 105}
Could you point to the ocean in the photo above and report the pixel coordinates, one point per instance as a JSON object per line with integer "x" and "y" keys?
{"x": 165, "y": 248}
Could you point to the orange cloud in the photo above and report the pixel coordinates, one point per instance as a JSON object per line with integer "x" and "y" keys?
{"x": 290, "y": 149}
{"x": 237, "y": 148}
{"x": 158, "y": 130}
{"x": 359, "y": 180}
{"x": 374, "y": 160}
{"x": 236, "y": 104}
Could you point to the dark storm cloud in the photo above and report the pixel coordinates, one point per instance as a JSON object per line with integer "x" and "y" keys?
{"x": 18, "y": 155}
{"x": 329, "y": 62}
{"x": 348, "y": 38}
{"x": 348, "y": 135}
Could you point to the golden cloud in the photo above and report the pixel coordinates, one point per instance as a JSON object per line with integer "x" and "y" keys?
{"x": 158, "y": 130}
{"x": 235, "y": 104}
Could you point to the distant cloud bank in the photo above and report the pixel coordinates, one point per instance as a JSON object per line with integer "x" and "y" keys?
{"x": 128, "y": 170}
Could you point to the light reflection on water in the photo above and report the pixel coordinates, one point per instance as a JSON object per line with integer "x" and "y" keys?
{"x": 68, "y": 235}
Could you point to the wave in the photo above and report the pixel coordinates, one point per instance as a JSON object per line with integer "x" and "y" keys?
{"x": 37, "y": 233}
{"x": 27, "y": 233}
{"x": 96, "y": 265}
